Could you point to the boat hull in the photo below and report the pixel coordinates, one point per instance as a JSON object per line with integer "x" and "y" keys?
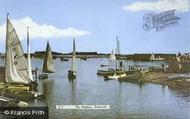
{"x": 43, "y": 76}
{"x": 64, "y": 59}
{"x": 72, "y": 75}
{"x": 115, "y": 76}
{"x": 9, "y": 102}
{"x": 22, "y": 95}
{"x": 108, "y": 72}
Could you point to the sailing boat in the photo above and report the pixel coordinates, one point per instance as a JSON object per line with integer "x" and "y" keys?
{"x": 16, "y": 69}
{"x": 113, "y": 59}
{"x": 17, "y": 81}
{"x": 72, "y": 72}
{"x": 116, "y": 74}
{"x": 153, "y": 58}
{"x": 48, "y": 66}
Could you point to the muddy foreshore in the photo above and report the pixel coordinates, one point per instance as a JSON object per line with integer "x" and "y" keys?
{"x": 162, "y": 78}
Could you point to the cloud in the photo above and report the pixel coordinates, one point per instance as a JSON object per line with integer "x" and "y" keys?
{"x": 40, "y": 30}
{"x": 160, "y": 5}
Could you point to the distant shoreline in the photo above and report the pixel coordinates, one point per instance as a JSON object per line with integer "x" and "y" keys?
{"x": 135, "y": 57}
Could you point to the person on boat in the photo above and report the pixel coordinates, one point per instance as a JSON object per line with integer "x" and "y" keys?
{"x": 180, "y": 67}
{"x": 121, "y": 65}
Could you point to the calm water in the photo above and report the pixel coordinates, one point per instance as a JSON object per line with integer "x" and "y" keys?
{"x": 126, "y": 100}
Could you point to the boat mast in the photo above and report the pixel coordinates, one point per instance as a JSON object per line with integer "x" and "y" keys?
{"x": 117, "y": 52}
{"x": 6, "y": 45}
{"x": 115, "y": 62}
{"x": 118, "y": 45}
{"x": 28, "y": 53}
{"x": 73, "y": 56}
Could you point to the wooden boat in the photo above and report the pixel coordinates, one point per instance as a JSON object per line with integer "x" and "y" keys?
{"x": 83, "y": 58}
{"x": 115, "y": 75}
{"x": 108, "y": 72}
{"x": 9, "y": 102}
{"x": 179, "y": 76}
{"x": 153, "y": 58}
{"x": 17, "y": 70}
{"x": 23, "y": 95}
{"x": 48, "y": 66}
{"x": 64, "y": 59}
{"x": 43, "y": 76}
{"x": 72, "y": 72}
{"x": 114, "y": 71}
{"x": 132, "y": 76}
{"x": 71, "y": 75}
{"x": 18, "y": 80}
{"x": 104, "y": 65}
{"x": 105, "y": 72}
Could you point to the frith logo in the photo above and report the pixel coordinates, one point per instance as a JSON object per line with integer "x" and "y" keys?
{"x": 160, "y": 21}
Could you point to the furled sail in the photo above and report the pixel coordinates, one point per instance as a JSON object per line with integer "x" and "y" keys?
{"x": 29, "y": 59}
{"x": 48, "y": 66}
{"x": 16, "y": 68}
{"x": 73, "y": 56}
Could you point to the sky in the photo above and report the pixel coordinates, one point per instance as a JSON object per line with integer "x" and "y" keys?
{"x": 95, "y": 24}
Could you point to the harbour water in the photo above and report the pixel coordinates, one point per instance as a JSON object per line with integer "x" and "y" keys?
{"x": 127, "y": 100}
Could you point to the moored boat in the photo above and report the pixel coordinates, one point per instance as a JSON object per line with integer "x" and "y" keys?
{"x": 115, "y": 73}
{"x": 104, "y": 65}
{"x": 72, "y": 72}
{"x": 83, "y": 58}
{"x": 108, "y": 72}
{"x": 17, "y": 71}
{"x": 48, "y": 66}
{"x": 64, "y": 59}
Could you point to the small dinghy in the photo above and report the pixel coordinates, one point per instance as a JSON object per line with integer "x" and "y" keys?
{"x": 64, "y": 59}
{"x": 48, "y": 66}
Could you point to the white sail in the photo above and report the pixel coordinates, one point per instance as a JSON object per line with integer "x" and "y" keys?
{"x": 16, "y": 69}
{"x": 152, "y": 57}
{"x": 48, "y": 66}
{"x": 29, "y": 59}
{"x": 113, "y": 60}
{"x": 112, "y": 56}
{"x": 73, "y": 56}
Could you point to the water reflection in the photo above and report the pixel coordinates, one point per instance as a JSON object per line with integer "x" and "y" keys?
{"x": 73, "y": 97}
{"x": 73, "y": 92}
{"x": 126, "y": 99}
{"x": 45, "y": 87}
{"x": 118, "y": 101}
{"x": 182, "y": 97}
